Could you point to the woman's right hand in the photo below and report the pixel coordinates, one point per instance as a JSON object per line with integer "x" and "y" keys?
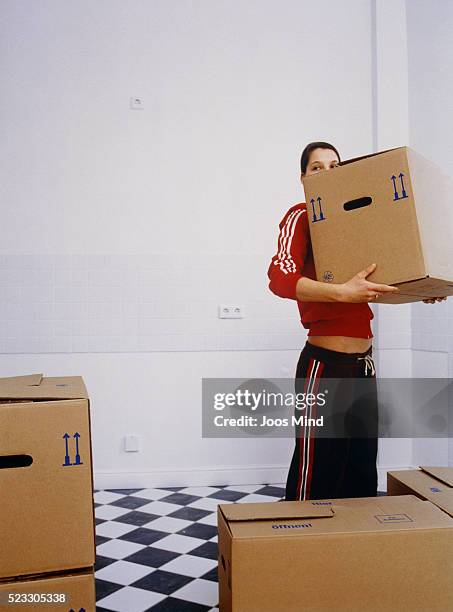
{"x": 358, "y": 289}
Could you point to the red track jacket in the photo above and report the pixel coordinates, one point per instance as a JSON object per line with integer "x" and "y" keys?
{"x": 294, "y": 259}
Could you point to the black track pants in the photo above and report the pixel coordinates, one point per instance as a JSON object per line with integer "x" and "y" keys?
{"x": 323, "y": 468}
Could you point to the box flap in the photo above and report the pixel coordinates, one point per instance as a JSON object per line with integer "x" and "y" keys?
{"x": 445, "y": 474}
{"x": 277, "y": 510}
{"x": 35, "y": 386}
{"x": 20, "y": 381}
{"x": 355, "y": 159}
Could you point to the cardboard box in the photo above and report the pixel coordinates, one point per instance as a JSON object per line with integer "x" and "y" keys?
{"x": 46, "y": 482}
{"x": 374, "y": 554}
{"x": 45, "y": 593}
{"x": 394, "y": 209}
{"x": 432, "y": 483}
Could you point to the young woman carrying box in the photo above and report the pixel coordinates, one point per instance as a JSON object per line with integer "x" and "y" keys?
{"x": 339, "y": 345}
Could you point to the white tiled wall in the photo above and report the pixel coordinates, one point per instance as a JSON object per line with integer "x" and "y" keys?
{"x": 432, "y": 356}
{"x": 394, "y": 322}
{"x": 431, "y": 133}
{"x": 104, "y": 303}
{"x": 432, "y": 326}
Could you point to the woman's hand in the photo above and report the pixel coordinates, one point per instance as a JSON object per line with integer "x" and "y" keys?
{"x": 358, "y": 289}
{"x": 434, "y": 300}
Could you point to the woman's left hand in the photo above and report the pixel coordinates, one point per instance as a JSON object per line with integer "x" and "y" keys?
{"x": 434, "y": 300}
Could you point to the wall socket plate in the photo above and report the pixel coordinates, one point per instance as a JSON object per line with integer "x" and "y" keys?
{"x": 132, "y": 444}
{"x": 136, "y": 103}
{"x": 231, "y": 311}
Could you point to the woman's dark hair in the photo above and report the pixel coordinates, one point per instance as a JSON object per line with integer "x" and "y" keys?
{"x": 311, "y": 147}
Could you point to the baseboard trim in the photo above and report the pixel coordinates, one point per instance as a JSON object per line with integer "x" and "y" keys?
{"x": 212, "y": 476}
{"x": 188, "y": 478}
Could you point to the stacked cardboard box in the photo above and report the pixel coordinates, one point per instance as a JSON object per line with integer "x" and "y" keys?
{"x": 392, "y": 208}
{"x": 432, "y": 483}
{"x": 47, "y": 532}
{"x": 381, "y": 554}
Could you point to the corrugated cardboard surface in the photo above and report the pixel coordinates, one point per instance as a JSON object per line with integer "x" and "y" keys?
{"x": 432, "y": 483}
{"x": 255, "y": 512}
{"x": 35, "y": 386}
{"x": 445, "y": 474}
{"x": 433, "y": 191}
{"x": 373, "y": 554}
{"x": 411, "y": 250}
{"x": 78, "y": 587}
{"x": 46, "y": 514}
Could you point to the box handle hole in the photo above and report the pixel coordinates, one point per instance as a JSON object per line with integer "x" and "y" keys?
{"x": 15, "y": 461}
{"x": 358, "y": 203}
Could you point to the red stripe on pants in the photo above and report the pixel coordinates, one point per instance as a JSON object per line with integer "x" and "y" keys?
{"x": 306, "y": 444}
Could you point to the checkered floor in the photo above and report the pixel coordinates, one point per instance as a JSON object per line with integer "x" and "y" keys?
{"x": 157, "y": 548}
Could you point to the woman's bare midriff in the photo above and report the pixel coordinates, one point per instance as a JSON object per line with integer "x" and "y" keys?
{"x": 343, "y": 344}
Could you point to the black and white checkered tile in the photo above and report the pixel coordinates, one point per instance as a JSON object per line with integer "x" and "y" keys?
{"x": 157, "y": 548}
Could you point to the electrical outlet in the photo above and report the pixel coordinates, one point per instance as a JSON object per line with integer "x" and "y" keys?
{"x": 136, "y": 103}
{"x": 229, "y": 311}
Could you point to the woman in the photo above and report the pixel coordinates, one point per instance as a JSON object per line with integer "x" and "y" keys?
{"x": 339, "y": 345}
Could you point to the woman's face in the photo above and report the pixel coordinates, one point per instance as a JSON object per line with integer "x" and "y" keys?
{"x": 321, "y": 159}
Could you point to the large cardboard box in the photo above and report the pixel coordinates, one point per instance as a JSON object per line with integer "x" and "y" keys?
{"x": 394, "y": 209}
{"x": 388, "y": 554}
{"x": 46, "y": 484}
{"x": 69, "y": 592}
{"x": 432, "y": 483}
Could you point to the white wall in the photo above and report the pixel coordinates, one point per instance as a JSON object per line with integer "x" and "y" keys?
{"x": 393, "y": 329}
{"x": 124, "y": 230}
{"x": 430, "y": 76}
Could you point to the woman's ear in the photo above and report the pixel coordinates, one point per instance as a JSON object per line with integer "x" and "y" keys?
{"x": 301, "y": 177}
